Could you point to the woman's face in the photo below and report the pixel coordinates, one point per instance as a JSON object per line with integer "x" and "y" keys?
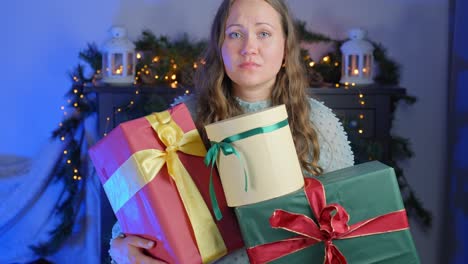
{"x": 253, "y": 46}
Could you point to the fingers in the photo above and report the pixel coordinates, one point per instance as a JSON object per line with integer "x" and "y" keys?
{"x": 140, "y": 242}
{"x": 149, "y": 260}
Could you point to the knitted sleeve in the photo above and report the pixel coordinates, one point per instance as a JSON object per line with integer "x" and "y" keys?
{"x": 335, "y": 149}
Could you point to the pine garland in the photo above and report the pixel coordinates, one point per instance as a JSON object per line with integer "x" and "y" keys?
{"x": 162, "y": 59}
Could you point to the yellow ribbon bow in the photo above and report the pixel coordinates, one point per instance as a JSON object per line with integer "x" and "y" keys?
{"x": 143, "y": 166}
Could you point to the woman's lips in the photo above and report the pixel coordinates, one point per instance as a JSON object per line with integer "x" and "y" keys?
{"x": 249, "y": 65}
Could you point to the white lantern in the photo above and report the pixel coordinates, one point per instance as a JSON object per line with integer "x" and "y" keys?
{"x": 118, "y": 58}
{"x": 358, "y": 59}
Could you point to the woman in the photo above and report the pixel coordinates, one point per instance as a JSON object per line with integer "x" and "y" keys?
{"x": 252, "y": 62}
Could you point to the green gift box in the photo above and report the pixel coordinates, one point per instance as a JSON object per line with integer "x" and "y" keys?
{"x": 352, "y": 215}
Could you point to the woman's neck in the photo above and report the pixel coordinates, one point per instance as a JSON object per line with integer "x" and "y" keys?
{"x": 252, "y": 95}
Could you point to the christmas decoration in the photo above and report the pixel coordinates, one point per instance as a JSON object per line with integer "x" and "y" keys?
{"x": 358, "y": 60}
{"x": 170, "y": 64}
{"x": 118, "y": 60}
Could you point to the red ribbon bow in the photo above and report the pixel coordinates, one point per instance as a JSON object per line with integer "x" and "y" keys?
{"x": 332, "y": 224}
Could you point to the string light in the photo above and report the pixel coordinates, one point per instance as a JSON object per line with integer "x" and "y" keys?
{"x": 75, "y": 90}
{"x": 65, "y": 152}
{"x": 174, "y": 66}
{"x": 337, "y": 64}
{"x": 363, "y": 103}
{"x": 195, "y": 65}
{"x": 360, "y": 131}
{"x": 75, "y": 170}
{"x": 173, "y": 77}
{"x": 353, "y": 84}
{"x": 62, "y": 107}
{"x": 311, "y": 64}
{"x": 81, "y": 96}
{"x": 166, "y": 77}
{"x": 361, "y": 95}
{"x": 138, "y": 56}
{"x": 187, "y": 91}
{"x": 361, "y": 116}
{"x": 62, "y": 138}
{"x": 337, "y": 85}
{"x": 60, "y": 124}
{"x": 156, "y": 59}
{"x": 68, "y": 161}
{"x": 326, "y": 59}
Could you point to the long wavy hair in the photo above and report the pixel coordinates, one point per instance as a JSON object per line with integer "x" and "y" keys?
{"x": 217, "y": 102}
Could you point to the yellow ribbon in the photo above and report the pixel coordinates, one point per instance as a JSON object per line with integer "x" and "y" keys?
{"x": 143, "y": 166}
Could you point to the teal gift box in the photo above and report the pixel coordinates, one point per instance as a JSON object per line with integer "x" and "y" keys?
{"x": 352, "y": 215}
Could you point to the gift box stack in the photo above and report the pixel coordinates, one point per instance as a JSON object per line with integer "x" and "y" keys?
{"x": 353, "y": 215}
{"x": 152, "y": 170}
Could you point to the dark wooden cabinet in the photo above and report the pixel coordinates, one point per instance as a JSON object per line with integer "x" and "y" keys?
{"x": 365, "y": 112}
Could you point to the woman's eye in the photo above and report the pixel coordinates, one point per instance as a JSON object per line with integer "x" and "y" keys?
{"x": 264, "y": 34}
{"x": 234, "y": 35}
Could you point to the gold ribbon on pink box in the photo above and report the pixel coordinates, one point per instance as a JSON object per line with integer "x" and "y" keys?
{"x": 143, "y": 166}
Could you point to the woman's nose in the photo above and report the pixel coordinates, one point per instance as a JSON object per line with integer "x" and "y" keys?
{"x": 250, "y": 46}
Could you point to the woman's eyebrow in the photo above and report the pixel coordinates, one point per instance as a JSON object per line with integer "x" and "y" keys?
{"x": 256, "y": 24}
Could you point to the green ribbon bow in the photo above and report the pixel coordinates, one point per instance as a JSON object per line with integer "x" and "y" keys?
{"x": 228, "y": 149}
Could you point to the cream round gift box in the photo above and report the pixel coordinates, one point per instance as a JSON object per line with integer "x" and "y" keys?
{"x": 268, "y": 158}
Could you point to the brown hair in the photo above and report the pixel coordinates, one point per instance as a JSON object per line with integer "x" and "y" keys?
{"x": 216, "y": 101}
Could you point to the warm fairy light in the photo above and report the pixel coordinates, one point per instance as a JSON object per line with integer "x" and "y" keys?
{"x": 146, "y": 66}
{"x": 118, "y": 71}
{"x": 105, "y": 134}
{"x": 187, "y": 91}
{"x": 98, "y": 71}
{"x": 146, "y": 72}
{"x": 60, "y": 124}
{"x": 138, "y": 56}
{"x": 65, "y": 152}
{"x": 62, "y": 107}
{"x": 174, "y": 66}
{"x": 337, "y": 64}
{"x": 353, "y": 84}
{"x": 156, "y": 77}
{"x": 361, "y": 116}
{"x": 139, "y": 73}
{"x": 363, "y": 103}
{"x": 346, "y": 83}
{"x": 135, "y": 82}
{"x": 326, "y": 59}
{"x": 108, "y": 118}
{"x": 136, "y": 78}
{"x": 311, "y": 64}
{"x": 75, "y": 104}
{"x": 137, "y": 92}
{"x": 195, "y": 65}
{"x": 172, "y": 61}
{"x": 131, "y": 102}
{"x": 356, "y": 72}
{"x": 360, "y": 131}
{"x": 75, "y": 78}
{"x": 361, "y": 95}
{"x": 62, "y": 138}
{"x": 75, "y": 90}
{"x": 156, "y": 59}
{"x": 337, "y": 85}
{"x": 68, "y": 161}
{"x": 119, "y": 109}
{"x": 174, "y": 84}
{"x": 81, "y": 96}
{"x": 364, "y": 70}
{"x": 75, "y": 170}
{"x": 166, "y": 77}
{"x": 75, "y": 177}
{"x": 173, "y": 77}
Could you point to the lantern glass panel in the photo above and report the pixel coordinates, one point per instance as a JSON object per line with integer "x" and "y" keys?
{"x": 117, "y": 62}
{"x": 366, "y": 70}
{"x": 130, "y": 61}
{"x": 353, "y": 66}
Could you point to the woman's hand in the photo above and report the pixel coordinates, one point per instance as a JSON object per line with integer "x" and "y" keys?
{"x": 129, "y": 250}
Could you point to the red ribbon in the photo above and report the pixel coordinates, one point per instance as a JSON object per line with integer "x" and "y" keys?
{"x": 332, "y": 224}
